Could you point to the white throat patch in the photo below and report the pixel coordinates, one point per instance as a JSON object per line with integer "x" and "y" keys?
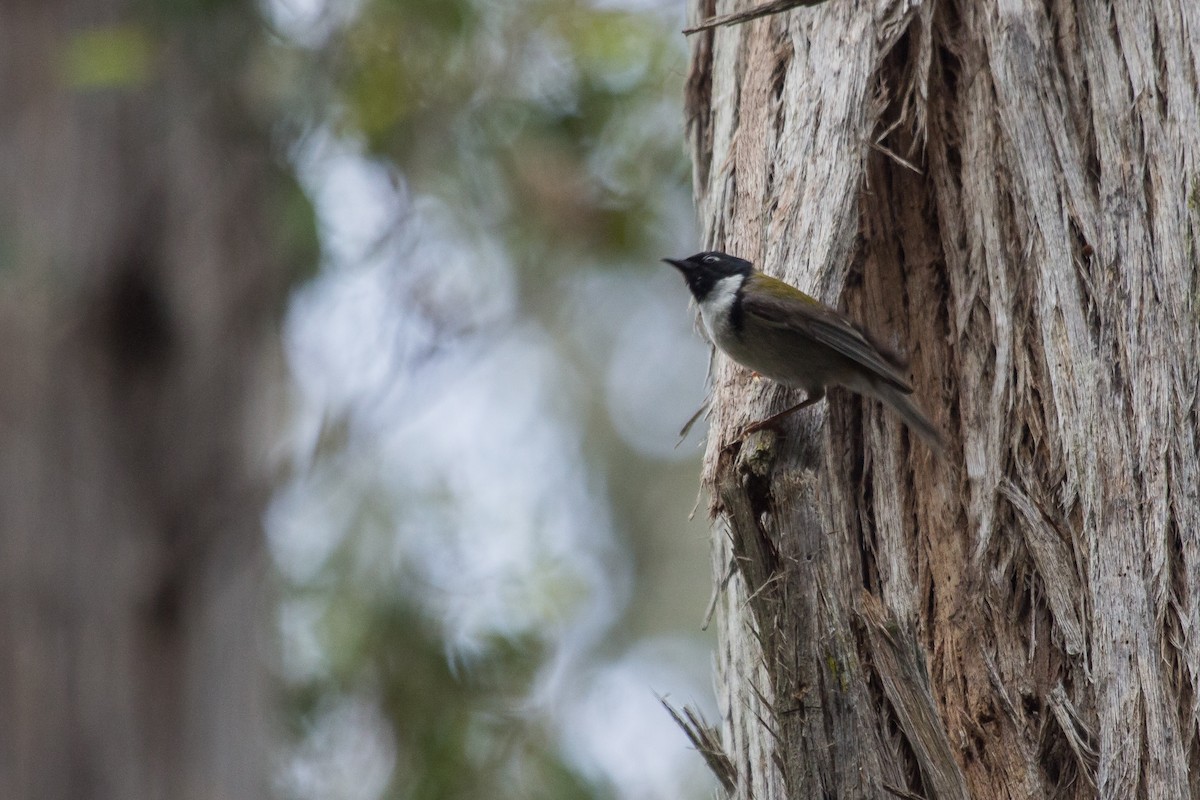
{"x": 714, "y": 310}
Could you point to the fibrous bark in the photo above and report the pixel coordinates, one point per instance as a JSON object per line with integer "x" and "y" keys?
{"x": 1010, "y": 192}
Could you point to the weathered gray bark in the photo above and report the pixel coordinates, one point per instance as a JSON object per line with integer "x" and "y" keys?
{"x": 1011, "y": 190}
{"x": 139, "y": 276}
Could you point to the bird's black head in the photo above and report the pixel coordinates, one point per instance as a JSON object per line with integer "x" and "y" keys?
{"x": 703, "y": 270}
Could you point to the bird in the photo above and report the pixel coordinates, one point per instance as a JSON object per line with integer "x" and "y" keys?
{"x": 774, "y": 329}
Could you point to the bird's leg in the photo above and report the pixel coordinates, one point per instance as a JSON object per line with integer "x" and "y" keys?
{"x": 773, "y": 420}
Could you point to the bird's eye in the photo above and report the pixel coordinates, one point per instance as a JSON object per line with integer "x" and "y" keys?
{"x": 711, "y": 259}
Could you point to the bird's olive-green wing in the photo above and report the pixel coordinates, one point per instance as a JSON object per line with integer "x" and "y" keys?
{"x": 781, "y": 305}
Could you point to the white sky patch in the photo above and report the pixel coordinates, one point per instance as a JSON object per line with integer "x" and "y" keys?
{"x": 637, "y": 5}
{"x": 511, "y": 521}
{"x": 618, "y": 731}
{"x": 303, "y": 656}
{"x": 462, "y": 417}
{"x": 342, "y": 334}
{"x": 348, "y": 754}
{"x": 522, "y": 525}
{"x": 305, "y": 522}
{"x": 653, "y": 361}
{"x": 359, "y": 202}
{"x": 655, "y": 380}
{"x": 458, "y": 413}
{"x": 309, "y": 23}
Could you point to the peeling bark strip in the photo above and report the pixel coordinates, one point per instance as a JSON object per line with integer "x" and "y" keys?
{"x": 1021, "y": 619}
{"x": 738, "y": 17}
{"x": 900, "y": 667}
{"x": 706, "y": 741}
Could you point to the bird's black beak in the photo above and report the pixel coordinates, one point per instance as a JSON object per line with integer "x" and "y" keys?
{"x": 682, "y": 266}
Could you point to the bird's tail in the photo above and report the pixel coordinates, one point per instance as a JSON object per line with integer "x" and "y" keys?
{"x": 913, "y": 416}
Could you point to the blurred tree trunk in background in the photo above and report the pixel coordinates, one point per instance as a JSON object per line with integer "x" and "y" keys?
{"x": 140, "y": 282}
{"x": 1012, "y": 191}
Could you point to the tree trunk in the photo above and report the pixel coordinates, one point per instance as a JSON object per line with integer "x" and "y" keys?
{"x": 1011, "y": 191}
{"x": 139, "y": 278}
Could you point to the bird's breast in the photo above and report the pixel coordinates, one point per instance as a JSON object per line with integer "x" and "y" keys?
{"x": 719, "y": 311}
{"x": 779, "y": 354}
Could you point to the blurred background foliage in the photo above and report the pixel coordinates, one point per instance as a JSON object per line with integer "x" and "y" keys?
{"x": 487, "y": 567}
